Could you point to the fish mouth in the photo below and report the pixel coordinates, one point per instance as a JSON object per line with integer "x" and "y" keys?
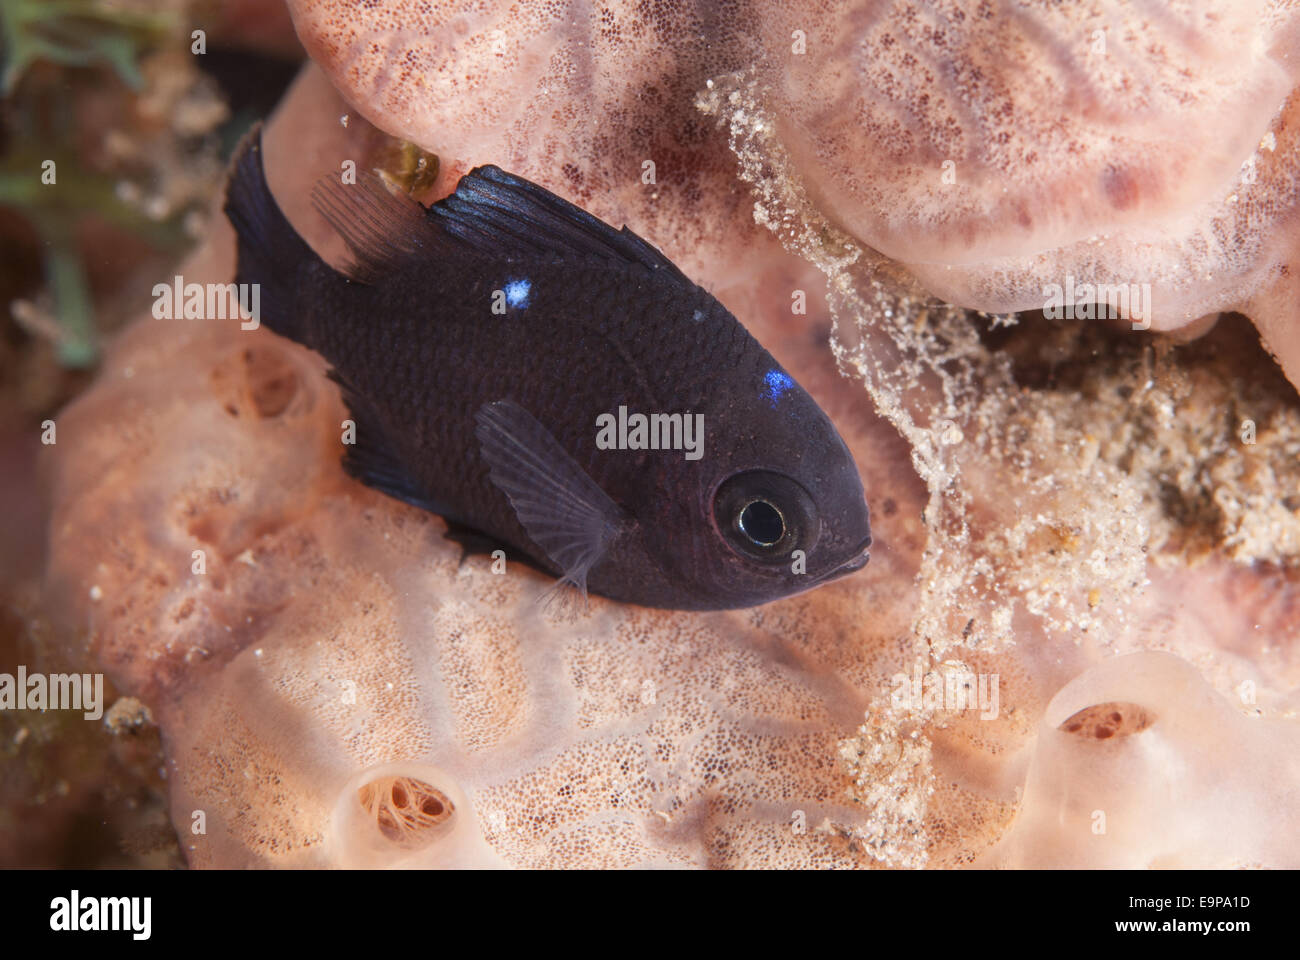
{"x": 856, "y": 561}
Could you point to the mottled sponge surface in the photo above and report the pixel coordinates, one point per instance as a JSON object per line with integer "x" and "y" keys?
{"x": 337, "y": 687}
{"x": 334, "y": 636}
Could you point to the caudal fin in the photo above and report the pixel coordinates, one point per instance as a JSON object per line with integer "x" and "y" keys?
{"x": 271, "y": 254}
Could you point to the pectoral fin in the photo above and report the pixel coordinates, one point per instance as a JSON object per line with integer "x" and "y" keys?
{"x": 560, "y": 507}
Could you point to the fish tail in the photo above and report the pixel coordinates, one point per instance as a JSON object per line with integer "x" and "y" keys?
{"x": 271, "y": 253}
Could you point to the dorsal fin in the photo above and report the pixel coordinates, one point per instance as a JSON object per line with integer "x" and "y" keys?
{"x": 498, "y": 212}
{"x": 492, "y": 212}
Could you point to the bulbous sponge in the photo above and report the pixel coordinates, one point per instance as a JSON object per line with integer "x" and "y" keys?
{"x": 1103, "y": 788}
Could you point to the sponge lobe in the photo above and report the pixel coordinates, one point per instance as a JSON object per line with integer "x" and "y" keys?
{"x": 1054, "y": 121}
{"x": 1148, "y": 797}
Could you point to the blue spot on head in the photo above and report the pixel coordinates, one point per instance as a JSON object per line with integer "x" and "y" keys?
{"x": 517, "y": 293}
{"x": 776, "y": 383}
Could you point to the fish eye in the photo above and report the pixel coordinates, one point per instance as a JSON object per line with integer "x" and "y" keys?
{"x": 765, "y": 515}
{"x": 762, "y": 523}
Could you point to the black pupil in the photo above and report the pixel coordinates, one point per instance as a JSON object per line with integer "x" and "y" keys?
{"x": 762, "y": 523}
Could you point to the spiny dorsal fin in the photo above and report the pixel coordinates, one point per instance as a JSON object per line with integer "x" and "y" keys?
{"x": 501, "y": 213}
{"x": 492, "y": 212}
